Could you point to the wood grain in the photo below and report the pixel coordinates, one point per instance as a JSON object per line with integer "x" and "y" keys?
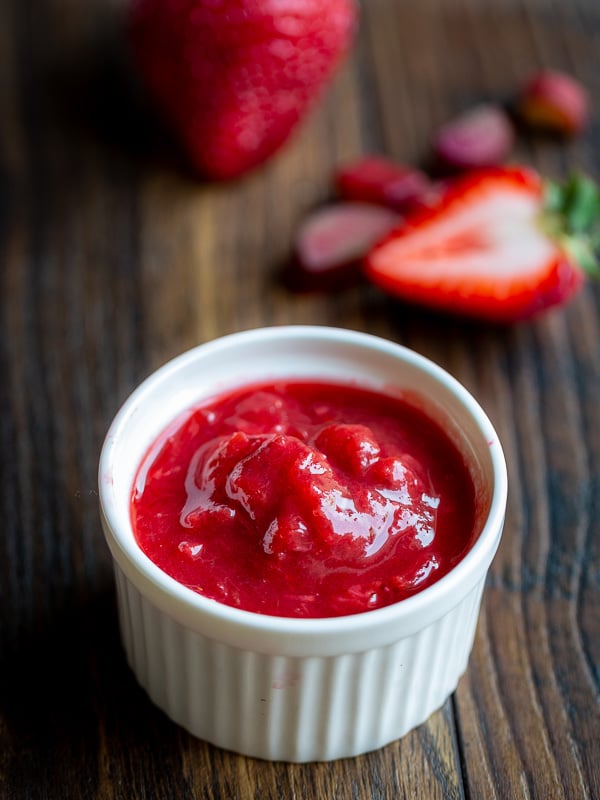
{"x": 114, "y": 259}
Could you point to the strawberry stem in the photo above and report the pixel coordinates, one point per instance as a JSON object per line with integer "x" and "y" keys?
{"x": 571, "y": 216}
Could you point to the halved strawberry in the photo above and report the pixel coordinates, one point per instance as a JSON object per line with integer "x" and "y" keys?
{"x": 501, "y": 244}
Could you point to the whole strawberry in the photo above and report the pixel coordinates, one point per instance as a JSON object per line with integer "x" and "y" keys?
{"x": 233, "y": 78}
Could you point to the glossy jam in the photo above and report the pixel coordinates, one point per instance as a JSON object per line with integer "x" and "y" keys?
{"x": 304, "y": 500}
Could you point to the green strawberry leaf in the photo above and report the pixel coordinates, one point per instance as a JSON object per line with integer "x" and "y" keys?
{"x": 571, "y": 216}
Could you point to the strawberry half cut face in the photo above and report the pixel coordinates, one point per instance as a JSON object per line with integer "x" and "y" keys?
{"x": 483, "y": 250}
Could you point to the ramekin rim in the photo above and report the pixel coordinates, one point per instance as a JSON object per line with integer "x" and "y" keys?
{"x": 481, "y": 551}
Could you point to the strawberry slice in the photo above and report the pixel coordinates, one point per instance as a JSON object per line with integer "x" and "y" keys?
{"x": 374, "y": 179}
{"x": 332, "y": 241}
{"x": 500, "y": 244}
{"x": 481, "y": 137}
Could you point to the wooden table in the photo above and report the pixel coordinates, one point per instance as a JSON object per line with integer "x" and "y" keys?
{"x": 114, "y": 259}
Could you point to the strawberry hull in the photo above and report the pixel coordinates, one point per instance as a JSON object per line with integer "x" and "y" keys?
{"x": 234, "y": 80}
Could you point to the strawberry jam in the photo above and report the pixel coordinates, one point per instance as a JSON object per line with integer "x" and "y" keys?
{"x": 304, "y": 500}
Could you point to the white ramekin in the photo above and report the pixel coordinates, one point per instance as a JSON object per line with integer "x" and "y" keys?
{"x": 296, "y": 689}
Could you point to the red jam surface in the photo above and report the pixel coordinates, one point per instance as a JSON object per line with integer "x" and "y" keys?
{"x": 304, "y": 500}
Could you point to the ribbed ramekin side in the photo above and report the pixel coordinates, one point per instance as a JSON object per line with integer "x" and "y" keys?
{"x": 290, "y": 708}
